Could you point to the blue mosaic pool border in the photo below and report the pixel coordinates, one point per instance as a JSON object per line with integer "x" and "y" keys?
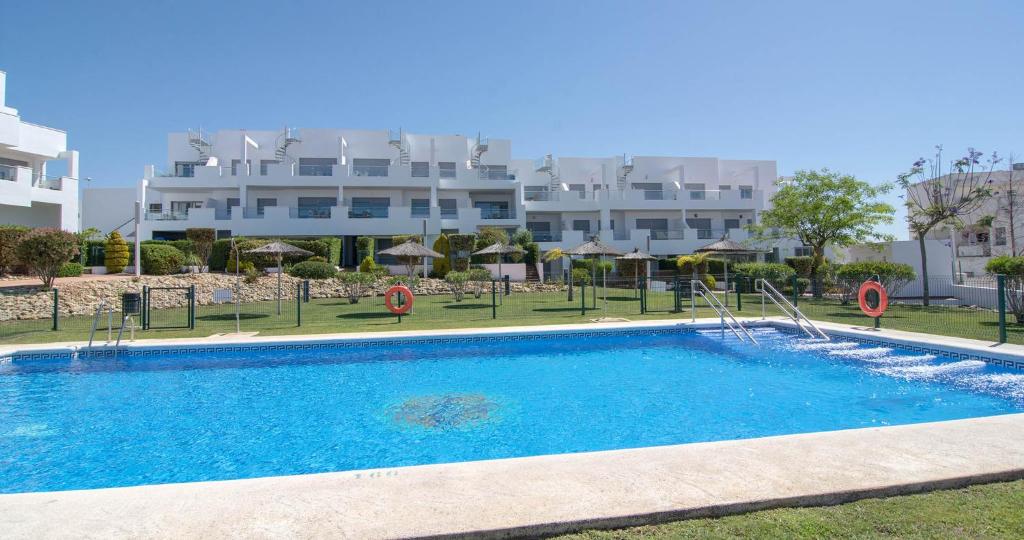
{"x": 127, "y": 352}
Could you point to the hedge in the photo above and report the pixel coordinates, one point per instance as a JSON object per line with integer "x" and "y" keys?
{"x": 10, "y": 236}
{"x": 774, "y": 273}
{"x": 893, "y": 276}
{"x": 161, "y": 259}
{"x": 70, "y": 269}
{"x": 328, "y": 247}
{"x": 461, "y": 246}
{"x": 312, "y": 270}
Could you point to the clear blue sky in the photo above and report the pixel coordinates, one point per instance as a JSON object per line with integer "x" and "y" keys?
{"x": 863, "y": 87}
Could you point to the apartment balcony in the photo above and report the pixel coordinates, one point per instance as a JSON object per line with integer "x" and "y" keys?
{"x": 19, "y": 186}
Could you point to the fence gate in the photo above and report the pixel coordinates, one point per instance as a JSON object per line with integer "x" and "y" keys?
{"x": 169, "y": 307}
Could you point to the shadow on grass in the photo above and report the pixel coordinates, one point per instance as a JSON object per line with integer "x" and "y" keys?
{"x": 231, "y": 317}
{"x": 466, "y": 306}
{"x": 367, "y": 315}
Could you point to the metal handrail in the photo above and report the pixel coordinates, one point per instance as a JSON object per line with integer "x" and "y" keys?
{"x": 698, "y": 287}
{"x": 96, "y": 321}
{"x": 768, "y": 290}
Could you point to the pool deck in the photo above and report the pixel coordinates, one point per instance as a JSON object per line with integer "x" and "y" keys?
{"x": 545, "y": 494}
{"x": 548, "y": 494}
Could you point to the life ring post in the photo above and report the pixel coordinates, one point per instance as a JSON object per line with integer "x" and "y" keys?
{"x": 405, "y": 295}
{"x": 883, "y": 300}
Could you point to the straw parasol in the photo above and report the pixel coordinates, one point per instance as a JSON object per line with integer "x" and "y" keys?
{"x": 411, "y": 250}
{"x": 499, "y": 249}
{"x": 636, "y": 255}
{"x": 727, "y": 248}
{"x": 279, "y": 250}
{"x": 596, "y": 249}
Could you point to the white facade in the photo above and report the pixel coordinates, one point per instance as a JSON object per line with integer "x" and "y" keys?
{"x": 28, "y": 194}
{"x": 986, "y": 232}
{"x": 350, "y": 183}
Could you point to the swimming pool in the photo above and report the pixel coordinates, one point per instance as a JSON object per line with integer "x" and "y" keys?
{"x": 160, "y": 415}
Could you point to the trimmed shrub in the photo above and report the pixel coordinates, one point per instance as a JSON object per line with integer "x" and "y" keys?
{"x": 202, "y": 243}
{"x": 70, "y": 269}
{"x": 774, "y": 273}
{"x": 10, "y": 236}
{"x": 244, "y": 267}
{"x": 581, "y": 276}
{"x": 161, "y": 259}
{"x": 219, "y": 254}
{"x": 115, "y": 253}
{"x": 316, "y": 258}
{"x": 355, "y": 284}
{"x": 801, "y": 264}
{"x": 457, "y": 281}
{"x": 893, "y": 276}
{"x": 487, "y": 237}
{"x": 365, "y": 246}
{"x": 312, "y": 270}
{"x": 532, "y": 255}
{"x": 444, "y": 265}
{"x": 460, "y": 247}
{"x": 44, "y": 251}
{"x": 368, "y": 265}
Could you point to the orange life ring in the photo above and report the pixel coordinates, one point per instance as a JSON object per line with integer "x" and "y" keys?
{"x": 862, "y": 298}
{"x": 404, "y": 308}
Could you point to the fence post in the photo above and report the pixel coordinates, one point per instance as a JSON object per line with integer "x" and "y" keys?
{"x": 145, "y": 298}
{"x": 494, "y": 299}
{"x": 305, "y": 291}
{"x": 1001, "y": 292}
{"x": 583, "y": 298}
{"x": 56, "y": 312}
{"x": 677, "y": 296}
{"x": 796, "y": 294}
{"x": 508, "y": 285}
{"x": 739, "y": 294}
{"x": 298, "y": 302}
{"x": 192, "y": 307}
{"x": 643, "y": 295}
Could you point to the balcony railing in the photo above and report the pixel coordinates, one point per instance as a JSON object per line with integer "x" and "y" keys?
{"x": 253, "y": 213}
{"x": 316, "y": 170}
{"x": 497, "y": 213}
{"x": 667, "y": 234}
{"x": 166, "y": 216}
{"x": 449, "y": 213}
{"x": 369, "y": 212}
{"x": 370, "y": 170}
{"x": 310, "y": 212}
{"x": 419, "y": 212}
{"x": 547, "y": 236}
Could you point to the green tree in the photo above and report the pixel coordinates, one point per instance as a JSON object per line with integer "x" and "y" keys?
{"x": 933, "y": 198}
{"x": 44, "y": 251}
{"x": 10, "y": 237}
{"x": 486, "y": 237}
{"x": 825, "y": 208}
{"x": 202, "y": 242}
{"x": 115, "y": 253}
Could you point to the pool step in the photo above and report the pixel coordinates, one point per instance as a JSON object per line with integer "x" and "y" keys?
{"x": 876, "y": 352}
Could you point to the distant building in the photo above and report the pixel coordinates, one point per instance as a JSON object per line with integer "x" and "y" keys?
{"x": 29, "y": 193}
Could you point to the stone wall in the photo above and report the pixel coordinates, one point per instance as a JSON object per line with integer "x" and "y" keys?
{"x": 81, "y": 298}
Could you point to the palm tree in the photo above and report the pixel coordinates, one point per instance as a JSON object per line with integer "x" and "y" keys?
{"x": 557, "y": 254}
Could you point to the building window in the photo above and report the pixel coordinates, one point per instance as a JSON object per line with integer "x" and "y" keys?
{"x": 746, "y": 192}
{"x": 493, "y": 210}
{"x": 315, "y": 207}
{"x": 581, "y": 225}
{"x": 702, "y": 226}
{"x": 580, "y": 189}
{"x": 181, "y": 208}
{"x": 317, "y": 166}
{"x": 156, "y": 208}
{"x": 421, "y": 208}
{"x": 420, "y": 169}
{"x": 231, "y": 203}
{"x": 370, "y": 167}
{"x": 448, "y": 208}
{"x": 236, "y": 162}
{"x": 185, "y": 169}
{"x": 261, "y": 204}
{"x": 657, "y": 224}
{"x": 535, "y": 193}
{"x": 652, "y": 191}
{"x": 1000, "y": 236}
{"x": 697, "y": 191}
{"x": 494, "y": 172}
{"x": 446, "y": 169}
{"x": 264, "y": 163}
{"x": 732, "y": 224}
{"x": 803, "y": 251}
{"x": 369, "y": 207}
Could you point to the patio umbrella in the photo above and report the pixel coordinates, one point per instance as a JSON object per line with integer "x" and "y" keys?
{"x": 410, "y": 250}
{"x": 636, "y": 255}
{"x": 727, "y": 248}
{"x": 279, "y": 250}
{"x": 595, "y": 249}
{"x": 499, "y": 249}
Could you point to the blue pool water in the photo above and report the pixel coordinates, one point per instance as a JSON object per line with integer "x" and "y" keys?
{"x": 90, "y": 423}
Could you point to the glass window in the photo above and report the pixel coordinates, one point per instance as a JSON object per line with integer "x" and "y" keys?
{"x": 421, "y": 208}
{"x": 231, "y": 203}
{"x": 263, "y": 203}
{"x": 652, "y": 224}
{"x": 803, "y": 251}
{"x": 369, "y": 207}
{"x": 185, "y": 169}
{"x": 315, "y": 207}
{"x": 370, "y": 167}
{"x": 264, "y": 163}
{"x": 235, "y": 163}
{"x": 446, "y": 169}
{"x": 493, "y": 209}
{"x": 652, "y": 191}
{"x": 732, "y": 224}
{"x": 581, "y": 225}
{"x": 746, "y": 192}
{"x": 317, "y": 166}
{"x": 420, "y": 169}
{"x": 495, "y": 172}
{"x": 156, "y": 207}
{"x": 448, "y": 208}
{"x": 579, "y": 189}
{"x": 535, "y": 193}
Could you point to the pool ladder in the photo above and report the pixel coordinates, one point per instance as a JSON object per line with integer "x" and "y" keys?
{"x": 110, "y": 326}
{"x": 697, "y": 287}
{"x": 788, "y": 309}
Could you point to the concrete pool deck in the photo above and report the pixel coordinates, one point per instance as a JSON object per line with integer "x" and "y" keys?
{"x": 545, "y": 494}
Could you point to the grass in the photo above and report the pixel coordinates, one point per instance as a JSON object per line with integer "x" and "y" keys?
{"x": 986, "y": 511}
{"x": 332, "y": 315}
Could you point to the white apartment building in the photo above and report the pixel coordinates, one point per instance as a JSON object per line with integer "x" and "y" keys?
{"x": 986, "y": 232}
{"x": 29, "y": 194}
{"x": 351, "y": 183}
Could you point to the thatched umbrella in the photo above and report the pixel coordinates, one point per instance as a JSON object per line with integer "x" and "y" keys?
{"x": 410, "y": 250}
{"x": 596, "y": 249}
{"x": 726, "y": 248}
{"x": 500, "y": 249}
{"x": 279, "y": 250}
{"x": 638, "y": 256}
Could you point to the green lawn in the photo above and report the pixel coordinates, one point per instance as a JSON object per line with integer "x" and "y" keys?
{"x": 987, "y": 511}
{"x": 329, "y": 315}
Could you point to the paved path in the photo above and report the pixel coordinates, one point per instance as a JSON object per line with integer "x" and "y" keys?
{"x": 545, "y": 494}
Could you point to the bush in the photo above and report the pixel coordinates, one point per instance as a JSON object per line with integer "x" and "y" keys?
{"x": 355, "y": 284}
{"x": 893, "y": 276}
{"x": 202, "y": 240}
{"x": 580, "y": 276}
{"x": 161, "y": 259}
{"x": 774, "y": 273}
{"x": 460, "y": 247}
{"x": 244, "y": 267}
{"x": 802, "y": 265}
{"x": 70, "y": 269}
{"x": 10, "y": 236}
{"x": 801, "y": 285}
{"x": 328, "y": 247}
{"x": 457, "y": 281}
{"x": 44, "y": 251}
{"x": 364, "y": 247}
{"x": 479, "y": 277}
{"x": 444, "y": 265}
{"x": 219, "y": 254}
{"x": 115, "y": 253}
{"x": 1013, "y": 269}
{"x": 312, "y": 270}
{"x": 317, "y": 258}
{"x": 368, "y": 266}
{"x": 489, "y": 236}
{"x": 532, "y": 255}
